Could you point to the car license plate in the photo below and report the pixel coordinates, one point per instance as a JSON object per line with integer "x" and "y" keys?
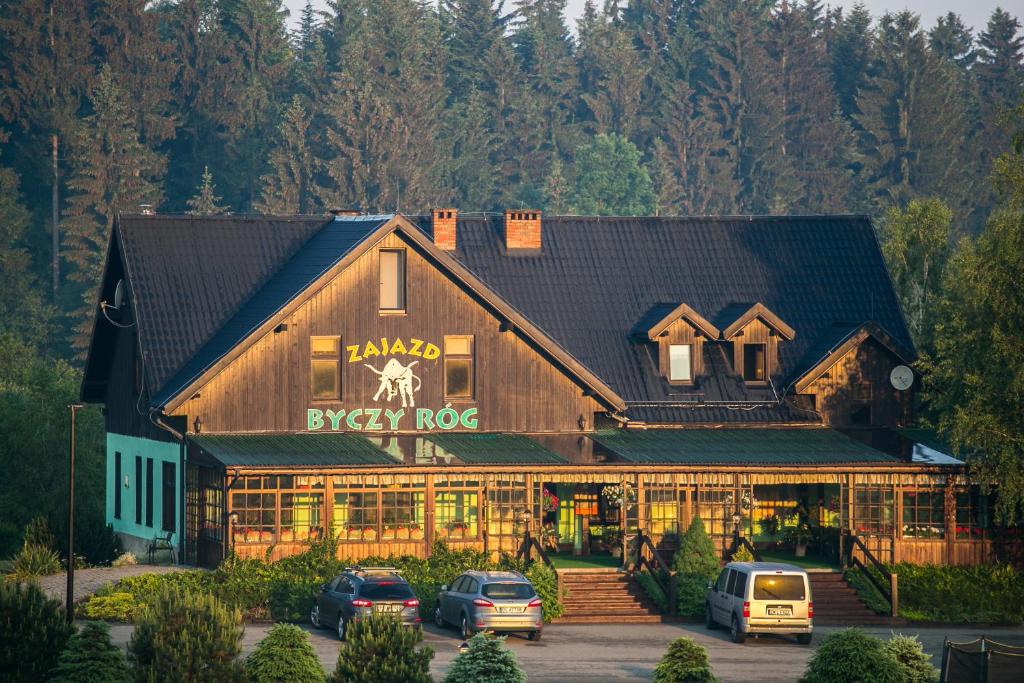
{"x": 510, "y": 610}
{"x": 780, "y": 611}
{"x": 389, "y": 609}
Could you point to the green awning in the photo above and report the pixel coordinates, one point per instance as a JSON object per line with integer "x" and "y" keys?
{"x": 291, "y": 450}
{"x": 757, "y": 446}
{"x": 496, "y": 449}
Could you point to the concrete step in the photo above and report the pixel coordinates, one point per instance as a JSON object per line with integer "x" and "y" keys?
{"x": 609, "y": 618}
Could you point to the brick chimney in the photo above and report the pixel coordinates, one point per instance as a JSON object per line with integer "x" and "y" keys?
{"x": 442, "y": 224}
{"x": 522, "y": 229}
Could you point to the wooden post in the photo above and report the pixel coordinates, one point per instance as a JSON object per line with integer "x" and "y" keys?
{"x": 428, "y": 516}
{"x": 894, "y": 590}
{"x": 672, "y": 589}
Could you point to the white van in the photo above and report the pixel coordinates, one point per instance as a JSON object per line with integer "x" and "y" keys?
{"x": 761, "y": 597}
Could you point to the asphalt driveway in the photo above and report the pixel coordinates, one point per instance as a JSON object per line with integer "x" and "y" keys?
{"x": 629, "y": 652}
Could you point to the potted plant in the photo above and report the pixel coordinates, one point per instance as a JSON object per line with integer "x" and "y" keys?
{"x": 613, "y": 540}
{"x": 769, "y": 525}
{"x": 799, "y": 536}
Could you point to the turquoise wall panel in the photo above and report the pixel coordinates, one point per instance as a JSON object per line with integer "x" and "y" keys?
{"x": 160, "y": 452}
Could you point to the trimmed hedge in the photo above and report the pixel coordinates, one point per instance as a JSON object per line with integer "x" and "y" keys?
{"x": 978, "y": 594}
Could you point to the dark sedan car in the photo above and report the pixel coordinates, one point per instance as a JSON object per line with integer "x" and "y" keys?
{"x": 358, "y": 592}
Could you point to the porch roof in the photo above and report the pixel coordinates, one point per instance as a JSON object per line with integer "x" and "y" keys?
{"x": 761, "y": 446}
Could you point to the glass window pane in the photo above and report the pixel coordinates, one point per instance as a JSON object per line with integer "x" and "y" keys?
{"x": 679, "y": 363}
{"x": 458, "y": 377}
{"x": 325, "y": 345}
{"x": 458, "y": 345}
{"x": 392, "y": 279}
{"x": 325, "y": 379}
{"x": 753, "y": 362}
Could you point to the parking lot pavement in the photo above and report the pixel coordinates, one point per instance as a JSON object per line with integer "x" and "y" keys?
{"x": 598, "y": 653}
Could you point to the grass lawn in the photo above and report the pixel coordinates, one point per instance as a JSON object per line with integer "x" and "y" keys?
{"x": 809, "y": 562}
{"x": 588, "y": 562}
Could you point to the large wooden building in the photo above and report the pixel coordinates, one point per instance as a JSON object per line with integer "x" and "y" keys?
{"x": 394, "y": 380}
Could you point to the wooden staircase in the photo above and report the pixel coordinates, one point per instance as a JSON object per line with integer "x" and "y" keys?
{"x": 837, "y": 604}
{"x": 604, "y": 596}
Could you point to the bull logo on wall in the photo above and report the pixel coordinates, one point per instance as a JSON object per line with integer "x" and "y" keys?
{"x": 397, "y": 380}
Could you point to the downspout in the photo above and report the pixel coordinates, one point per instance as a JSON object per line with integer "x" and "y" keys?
{"x": 157, "y": 418}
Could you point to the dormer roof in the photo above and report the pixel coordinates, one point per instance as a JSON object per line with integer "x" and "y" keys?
{"x": 658, "y": 319}
{"x": 743, "y": 314}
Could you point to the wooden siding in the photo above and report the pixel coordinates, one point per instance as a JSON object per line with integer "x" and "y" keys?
{"x": 756, "y": 332}
{"x": 836, "y": 390}
{"x": 127, "y": 411}
{"x": 682, "y": 332}
{"x": 268, "y": 387}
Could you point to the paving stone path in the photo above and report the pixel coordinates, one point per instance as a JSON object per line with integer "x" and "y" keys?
{"x": 88, "y": 581}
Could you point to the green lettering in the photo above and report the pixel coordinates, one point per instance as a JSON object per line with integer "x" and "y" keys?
{"x": 353, "y": 415}
{"x": 393, "y": 417}
{"x": 314, "y": 419}
{"x": 424, "y": 418}
{"x": 373, "y": 422}
{"x": 335, "y": 418}
{"x": 469, "y": 419}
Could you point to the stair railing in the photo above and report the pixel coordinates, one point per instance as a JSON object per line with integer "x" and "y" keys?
{"x": 737, "y": 542}
{"x": 888, "y": 587}
{"x": 658, "y": 568}
{"x": 527, "y": 547}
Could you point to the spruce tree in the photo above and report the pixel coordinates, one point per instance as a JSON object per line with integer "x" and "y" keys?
{"x": 112, "y": 171}
{"x": 617, "y": 71}
{"x": 474, "y": 177}
{"x": 850, "y": 51}
{"x": 204, "y": 202}
{"x": 288, "y": 187}
{"x": 90, "y": 657}
{"x": 697, "y": 563}
{"x": 378, "y": 649}
{"x": 952, "y": 41}
{"x": 486, "y": 661}
{"x": 284, "y": 654}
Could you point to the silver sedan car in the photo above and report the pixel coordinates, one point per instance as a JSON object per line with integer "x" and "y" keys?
{"x": 502, "y": 602}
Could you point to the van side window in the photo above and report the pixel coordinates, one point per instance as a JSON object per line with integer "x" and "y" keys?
{"x": 732, "y": 582}
{"x": 722, "y": 578}
{"x": 740, "y": 589}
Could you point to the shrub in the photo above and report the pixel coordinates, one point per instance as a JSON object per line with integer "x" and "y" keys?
{"x": 486, "y": 661}
{"x": 378, "y": 649}
{"x": 691, "y": 594}
{"x": 37, "y": 532}
{"x": 124, "y": 560}
{"x": 91, "y": 658}
{"x": 653, "y": 590}
{"x": 33, "y": 561}
{"x": 113, "y": 607}
{"x": 10, "y": 538}
{"x": 291, "y": 597}
{"x": 184, "y": 636}
{"x": 33, "y": 631}
{"x": 285, "y": 654}
{"x": 852, "y": 656}
{"x": 916, "y": 665}
{"x": 545, "y": 581}
{"x": 697, "y": 563}
{"x": 685, "y": 662}
{"x": 743, "y": 554}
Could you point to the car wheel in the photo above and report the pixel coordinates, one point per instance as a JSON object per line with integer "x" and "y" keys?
{"x": 803, "y": 638}
{"x": 535, "y": 635}
{"x": 709, "y": 620}
{"x": 341, "y": 628}
{"x": 464, "y": 629}
{"x": 738, "y": 636}
{"x": 438, "y": 619}
{"x": 314, "y": 616}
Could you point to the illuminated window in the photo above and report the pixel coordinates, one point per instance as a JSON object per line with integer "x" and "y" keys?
{"x": 754, "y": 362}
{"x": 457, "y": 510}
{"x": 680, "y": 365}
{"x": 392, "y": 279}
{"x": 662, "y": 509}
{"x": 325, "y": 368}
{"x": 924, "y": 513}
{"x": 371, "y": 512}
{"x": 458, "y": 366}
{"x": 873, "y": 509}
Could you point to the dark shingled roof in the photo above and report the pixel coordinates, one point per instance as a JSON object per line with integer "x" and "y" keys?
{"x": 812, "y": 446}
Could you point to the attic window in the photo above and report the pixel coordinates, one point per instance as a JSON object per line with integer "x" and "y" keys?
{"x": 680, "y": 363}
{"x": 392, "y": 280}
{"x": 325, "y": 367}
{"x": 754, "y": 356}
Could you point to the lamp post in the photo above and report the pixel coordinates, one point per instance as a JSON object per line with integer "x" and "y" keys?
{"x": 74, "y": 407}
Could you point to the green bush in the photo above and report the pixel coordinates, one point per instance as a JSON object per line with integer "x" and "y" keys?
{"x": 37, "y": 532}
{"x": 653, "y": 590}
{"x": 185, "y": 636}
{"x": 685, "y": 662}
{"x": 10, "y": 538}
{"x": 378, "y": 649}
{"x": 33, "y": 561}
{"x": 285, "y": 654}
{"x": 33, "y": 631}
{"x": 113, "y": 607}
{"x": 852, "y": 656}
{"x": 914, "y": 662}
{"x": 545, "y": 581}
{"x": 91, "y": 658}
{"x": 486, "y": 661}
{"x": 743, "y": 554}
{"x": 697, "y": 563}
{"x": 291, "y": 597}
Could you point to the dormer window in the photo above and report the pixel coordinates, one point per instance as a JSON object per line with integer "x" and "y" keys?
{"x": 755, "y": 333}
{"x": 680, "y": 362}
{"x": 754, "y": 358}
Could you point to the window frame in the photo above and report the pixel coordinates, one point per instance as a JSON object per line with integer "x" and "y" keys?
{"x": 325, "y": 357}
{"x": 401, "y": 287}
{"x": 117, "y": 484}
{"x": 168, "y": 497}
{"x": 469, "y": 358}
{"x": 765, "y": 369}
{"x": 689, "y": 364}
{"x": 138, "y": 490}
{"x": 917, "y": 520}
{"x": 447, "y": 506}
{"x": 869, "y": 499}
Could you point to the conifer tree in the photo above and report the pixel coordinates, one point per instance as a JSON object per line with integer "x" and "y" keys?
{"x": 112, "y": 171}
{"x": 616, "y": 71}
{"x": 288, "y": 188}
{"x": 556, "y": 190}
{"x": 285, "y": 654}
{"x": 850, "y": 50}
{"x": 90, "y": 657}
{"x": 951, "y": 40}
{"x": 474, "y": 177}
{"x": 378, "y": 649}
{"x": 204, "y": 203}
{"x": 487, "y": 660}
{"x": 309, "y": 76}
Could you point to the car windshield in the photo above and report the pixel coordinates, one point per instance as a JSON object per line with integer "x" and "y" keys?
{"x": 511, "y": 591}
{"x": 779, "y": 587}
{"x": 386, "y": 590}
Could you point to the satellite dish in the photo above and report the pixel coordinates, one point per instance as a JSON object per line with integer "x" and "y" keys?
{"x": 901, "y": 377}
{"x": 119, "y": 294}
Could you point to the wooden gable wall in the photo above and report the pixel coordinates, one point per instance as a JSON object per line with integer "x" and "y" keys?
{"x": 267, "y": 388}
{"x": 681, "y": 331}
{"x": 757, "y": 332}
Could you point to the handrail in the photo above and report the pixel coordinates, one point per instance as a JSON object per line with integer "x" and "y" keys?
{"x": 738, "y": 541}
{"x": 889, "y": 592}
{"x": 525, "y": 550}
{"x": 656, "y": 567}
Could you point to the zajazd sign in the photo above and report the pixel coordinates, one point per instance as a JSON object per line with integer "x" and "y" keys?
{"x": 395, "y": 381}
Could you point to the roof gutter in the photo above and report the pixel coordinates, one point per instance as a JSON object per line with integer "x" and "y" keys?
{"x": 156, "y": 416}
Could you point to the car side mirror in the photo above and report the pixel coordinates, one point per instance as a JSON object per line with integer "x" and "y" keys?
{"x": 444, "y": 587}
{"x": 712, "y": 586}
